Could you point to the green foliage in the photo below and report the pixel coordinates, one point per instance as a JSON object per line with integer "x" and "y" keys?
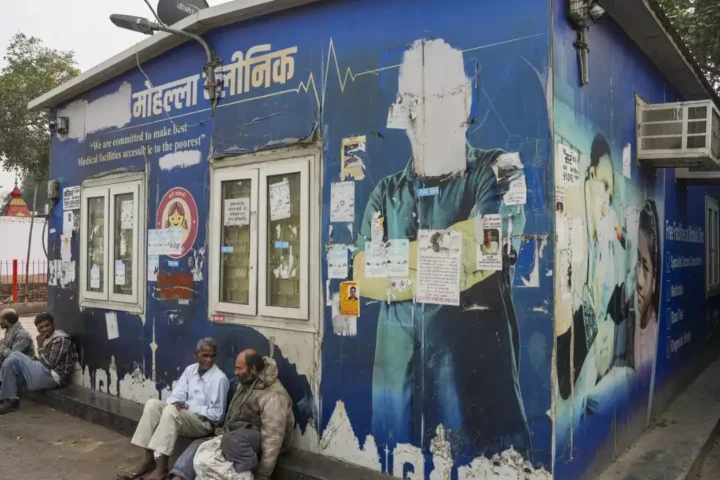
{"x": 697, "y": 21}
{"x": 31, "y": 69}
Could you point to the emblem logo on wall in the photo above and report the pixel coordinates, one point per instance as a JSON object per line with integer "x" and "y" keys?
{"x": 178, "y": 209}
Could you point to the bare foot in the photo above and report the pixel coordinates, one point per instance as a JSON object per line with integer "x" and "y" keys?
{"x": 147, "y": 466}
{"x": 157, "y": 474}
{"x": 161, "y": 470}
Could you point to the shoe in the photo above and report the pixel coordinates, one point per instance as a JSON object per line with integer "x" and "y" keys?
{"x": 8, "y": 406}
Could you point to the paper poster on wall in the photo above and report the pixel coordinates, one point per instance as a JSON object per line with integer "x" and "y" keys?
{"x": 71, "y": 198}
{"x": 489, "y": 252}
{"x": 280, "y": 201}
{"x": 517, "y": 192}
{"x": 350, "y": 299}
{"x": 439, "y": 267}
{"x": 342, "y": 202}
{"x": 165, "y": 241}
{"x": 352, "y": 165}
{"x": 153, "y": 268}
{"x": 377, "y": 235}
{"x": 237, "y": 212}
{"x": 127, "y": 214}
{"x": 65, "y": 249}
{"x": 568, "y": 163}
{"x": 68, "y": 222}
{"x": 112, "y": 325}
{"x": 627, "y": 160}
{"x": 95, "y": 277}
{"x": 53, "y": 270}
{"x": 375, "y": 264}
{"x": 566, "y": 274}
{"x": 398, "y": 264}
{"x": 120, "y": 272}
{"x": 337, "y": 259}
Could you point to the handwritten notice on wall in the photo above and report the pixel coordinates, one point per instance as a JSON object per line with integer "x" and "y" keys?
{"x": 517, "y": 192}
{"x": 165, "y": 241}
{"x": 71, "y": 198}
{"x": 489, "y": 251}
{"x": 112, "y": 325}
{"x": 439, "y": 267}
{"x": 342, "y": 202}
{"x": 398, "y": 264}
{"x": 568, "y": 162}
{"x": 280, "y": 201}
{"x": 337, "y": 259}
{"x": 237, "y": 212}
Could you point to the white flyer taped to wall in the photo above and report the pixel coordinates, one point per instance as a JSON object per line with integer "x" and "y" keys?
{"x": 68, "y": 222}
{"x": 489, "y": 253}
{"x": 342, "y": 202}
{"x": 439, "y": 267}
{"x": 127, "y": 214}
{"x": 237, "y": 212}
{"x": 165, "y": 241}
{"x": 280, "y": 201}
{"x": 71, "y": 198}
{"x": 120, "y": 273}
{"x": 517, "y": 192}
{"x": 65, "y": 249}
{"x": 95, "y": 277}
{"x": 53, "y": 272}
{"x": 377, "y": 235}
{"x": 627, "y": 160}
{"x": 398, "y": 253}
{"x": 568, "y": 161}
{"x": 153, "y": 268}
{"x": 375, "y": 263}
{"x": 112, "y": 325}
{"x": 337, "y": 259}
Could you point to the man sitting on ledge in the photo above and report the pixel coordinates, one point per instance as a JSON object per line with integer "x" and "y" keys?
{"x": 258, "y": 424}
{"x": 197, "y": 404}
{"x": 55, "y": 364}
{"x": 17, "y": 339}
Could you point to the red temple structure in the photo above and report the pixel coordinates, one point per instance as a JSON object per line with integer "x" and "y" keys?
{"x": 17, "y": 206}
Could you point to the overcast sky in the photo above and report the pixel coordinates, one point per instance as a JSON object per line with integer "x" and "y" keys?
{"x": 82, "y": 26}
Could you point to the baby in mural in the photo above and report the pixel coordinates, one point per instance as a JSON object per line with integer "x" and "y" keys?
{"x": 613, "y": 329}
{"x": 466, "y": 357}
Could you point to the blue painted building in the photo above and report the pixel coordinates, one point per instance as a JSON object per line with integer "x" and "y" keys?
{"x": 417, "y": 208}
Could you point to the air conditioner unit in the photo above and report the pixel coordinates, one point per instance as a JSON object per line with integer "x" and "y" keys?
{"x": 672, "y": 135}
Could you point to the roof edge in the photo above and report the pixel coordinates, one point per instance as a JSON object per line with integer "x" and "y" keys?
{"x": 159, "y": 43}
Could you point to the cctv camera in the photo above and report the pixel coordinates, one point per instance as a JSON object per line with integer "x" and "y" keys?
{"x": 52, "y": 125}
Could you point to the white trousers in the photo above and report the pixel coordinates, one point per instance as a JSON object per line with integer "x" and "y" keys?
{"x": 161, "y": 424}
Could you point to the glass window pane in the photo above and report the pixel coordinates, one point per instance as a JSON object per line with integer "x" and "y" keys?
{"x": 235, "y": 242}
{"x": 124, "y": 230}
{"x": 96, "y": 244}
{"x": 283, "y": 237}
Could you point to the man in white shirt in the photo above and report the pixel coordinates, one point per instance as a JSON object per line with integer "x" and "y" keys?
{"x": 196, "y": 405}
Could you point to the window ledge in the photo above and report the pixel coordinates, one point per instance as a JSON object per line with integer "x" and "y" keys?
{"x": 712, "y": 291}
{"x": 267, "y": 322}
{"x": 122, "y": 307}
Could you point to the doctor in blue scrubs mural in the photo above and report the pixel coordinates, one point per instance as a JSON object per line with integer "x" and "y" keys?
{"x": 454, "y": 365}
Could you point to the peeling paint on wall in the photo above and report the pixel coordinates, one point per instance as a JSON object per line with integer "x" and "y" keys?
{"x": 342, "y": 326}
{"x": 112, "y": 110}
{"x": 183, "y": 159}
{"x": 339, "y": 441}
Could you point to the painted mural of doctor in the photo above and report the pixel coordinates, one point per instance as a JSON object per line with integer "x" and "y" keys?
{"x": 455, "y": 366}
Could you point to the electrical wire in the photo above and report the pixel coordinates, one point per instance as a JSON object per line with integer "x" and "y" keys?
{"x": 154, "y": 14}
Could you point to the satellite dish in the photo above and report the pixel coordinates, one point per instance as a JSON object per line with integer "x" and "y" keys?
{"x": 172, "y": 11}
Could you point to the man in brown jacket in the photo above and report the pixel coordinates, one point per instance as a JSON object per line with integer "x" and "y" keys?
{"x": 258, "y": 423}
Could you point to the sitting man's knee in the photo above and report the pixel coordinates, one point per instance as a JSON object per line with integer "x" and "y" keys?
{"x": 170, "y": 411}
{"x": 154, "y": 404}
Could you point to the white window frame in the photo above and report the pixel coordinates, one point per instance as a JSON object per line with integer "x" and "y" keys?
{"x": 233, "y": 308}
{"x": 108, "y": 188}
{"x": 712, "y": 247}
{"x": 305, "y": 161}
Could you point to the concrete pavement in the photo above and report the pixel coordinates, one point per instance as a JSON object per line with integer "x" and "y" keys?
{"x": 41, "y": 443}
